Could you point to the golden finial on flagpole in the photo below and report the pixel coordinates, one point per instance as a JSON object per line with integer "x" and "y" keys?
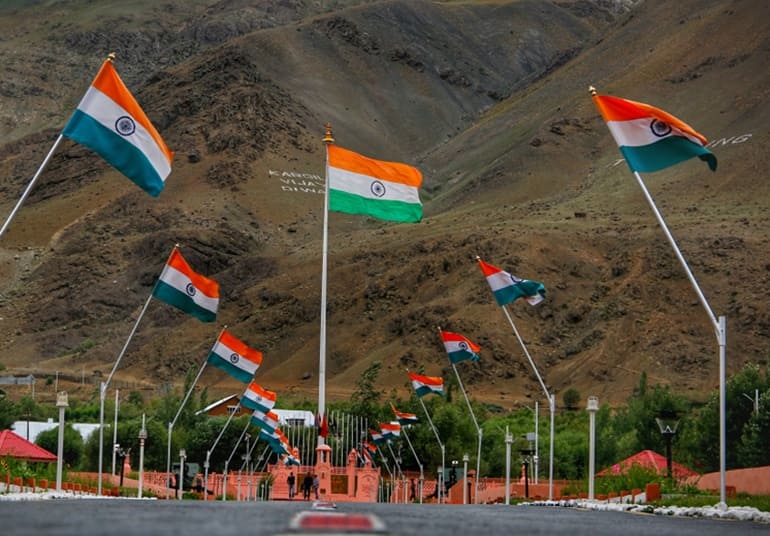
{"x": 592, "y": 90}
{"x": 328, "y": 138}
{"x": 111, "y": 56}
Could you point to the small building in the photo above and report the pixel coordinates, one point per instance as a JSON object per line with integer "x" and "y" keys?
{"x": 12, "y": 445}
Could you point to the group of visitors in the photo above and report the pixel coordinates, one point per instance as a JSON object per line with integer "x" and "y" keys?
{"x": 310, "y": 482}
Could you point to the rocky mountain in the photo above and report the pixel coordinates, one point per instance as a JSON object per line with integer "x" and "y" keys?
{"x": 489, "y": 99}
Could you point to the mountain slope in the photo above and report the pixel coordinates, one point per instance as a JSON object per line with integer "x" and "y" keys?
{"x": 490, "y": 100}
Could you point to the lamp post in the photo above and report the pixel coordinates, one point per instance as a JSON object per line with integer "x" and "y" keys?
{"x": 115, "y": 445}
{"x": 592, "y": 408}
{"x": 667, "y": 423}
{"x": 182, "y": 457}
{"x": 508, "y": 442}
{"x": 466, "y": 459}
{"x": 142, "y": 438}
{"x": 62, "y": 404}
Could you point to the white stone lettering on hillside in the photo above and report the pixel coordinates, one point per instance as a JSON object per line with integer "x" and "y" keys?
{"x": 721, "y": 142}
{"x": 303, "y": 183}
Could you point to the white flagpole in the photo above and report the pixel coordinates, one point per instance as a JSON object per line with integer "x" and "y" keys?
{"x": 720, "y": 329}
{"x": 419, "y": 463}
{"x": 478, "y": 430}
{"x": 208, "y": 452}
{"x": 327, "y": 139}
{"x": 551, "y": 399}
{"x": 439, "y": 480}
{"x": 103, "y": 393}
{"x": 28, "y": 189}
{"x": 178, "y": 413}
{"x": 227, "y": 462}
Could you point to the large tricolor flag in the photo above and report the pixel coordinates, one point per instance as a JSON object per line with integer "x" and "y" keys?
{"x": 651, "y": 139}
{"x": 361, "y": 185}
{"x": 425, "y": 385}
{"x": 257, "y": 398}
{"x": 110, "y": 122}
{"x": 180, "y": 286}
{"x": 268, "y": 421}
{"x": 459, "y": 347}
{"x": 235, "y": 358}
{"x": 507, "y": 287}
{"x": 404, "y": 418}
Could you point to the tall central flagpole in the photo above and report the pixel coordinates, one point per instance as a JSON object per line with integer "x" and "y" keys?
{"x": 439, "y": 480}
{"x": 327, "y": 139}
{"x": 179, "y": 412}
{"x": 28, "y": 189}
{"x": 479, "y": 431}
{"x": 551, "y": 399}
{"x": 103, "y": 387}
{"x": 720, "y": 329}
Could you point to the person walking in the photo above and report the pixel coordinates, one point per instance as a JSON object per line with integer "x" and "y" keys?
{"x": 316, "y": 484}
{"x": 307, "y": 483}
{"x": 291, "y": 480}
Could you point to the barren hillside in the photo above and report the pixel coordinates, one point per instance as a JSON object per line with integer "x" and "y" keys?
{"x": 489, "y": 99}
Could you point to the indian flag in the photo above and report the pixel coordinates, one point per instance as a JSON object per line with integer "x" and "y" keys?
{"x": 459, "y": 348}
{"x": 390, "y": 429}
{"x": 180, "y": 286}
{"x": 404, "y": 418}
{"x": 110, "y": 122}
{"x": 235, "y": 358}
{"x": 507, "y": 287}
{"x": 265, "y": 420}
{"x": 377, "y": 437}
{"x": 361, "y": 185}
{"x": 651, "y": 139}
{"x": 288, "y": 459}
{"x": 369, "y": 449}
{"x": 425, "y": 385}
{"x": 257, "y": 398}
{"x": 269, "y": 436}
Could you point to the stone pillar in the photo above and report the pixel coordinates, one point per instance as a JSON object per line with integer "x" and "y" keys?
{"x": 323, "y": 469}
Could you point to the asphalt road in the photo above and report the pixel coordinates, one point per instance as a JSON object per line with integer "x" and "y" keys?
{"x": 194, "y": 518}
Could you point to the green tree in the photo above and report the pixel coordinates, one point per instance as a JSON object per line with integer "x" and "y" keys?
{"x": 73, "y": 444}
{"x": 571, "y": 398}
{"x": 366, "y": 397}
{"x": 9, "y": 412}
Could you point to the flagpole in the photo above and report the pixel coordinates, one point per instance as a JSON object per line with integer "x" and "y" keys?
{"x": 551, "y": 399}
{"x": 719, "y": 325}
{"x": 208, "y": 452}
{"x": 720, "y": 329}
{"x": 385, "y": 463}
{"x": 439, "y": 480}
{"x": 422, "y": 475}
{"x": 227, "y": 462}
{"x": 103, "y": 392}
{"x": 478, "y": 430}
{"x": 28, "y": 189}
{"x": 179, "y": 412}
{"x": 327, "y": 139}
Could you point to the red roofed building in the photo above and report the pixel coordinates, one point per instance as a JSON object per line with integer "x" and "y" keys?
{"x": 650, "y": 460}
{"x": 14, "y": 446}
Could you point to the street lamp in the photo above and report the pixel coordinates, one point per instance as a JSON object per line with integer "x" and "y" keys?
{"x": 466, "y": 459}
{"x": 62, "y": 404}
{"x": 592, "y": 408}
{"x": 182, "y": 457}
{"x": 667, "y": 423}
{"x": 142, "y": 438}
{"x": 508, "y": 442}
